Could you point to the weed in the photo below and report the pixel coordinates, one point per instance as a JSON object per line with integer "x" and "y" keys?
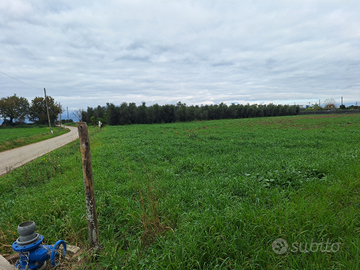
{"x": 153, "y": 223}
{"x": 193, "y": 134}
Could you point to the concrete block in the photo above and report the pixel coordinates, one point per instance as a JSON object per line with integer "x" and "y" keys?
{"x": 5, "y": 265}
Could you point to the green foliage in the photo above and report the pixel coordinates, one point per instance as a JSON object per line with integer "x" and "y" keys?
{"x": 93, "y": 120}
{"x": 128, "y": 114}
{"x": 201, "y": 195}
{"x": 38, "y": 111}
{"x": 15, "y": 108}
{"x": 315, "y": 107}
{"x": 353, "y": 107}
{"x": 67, "y": 121}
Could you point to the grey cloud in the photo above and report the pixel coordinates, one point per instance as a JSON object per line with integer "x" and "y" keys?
{"x": 202, "y": 51}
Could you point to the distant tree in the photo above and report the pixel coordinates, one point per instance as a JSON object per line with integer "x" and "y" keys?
{"x": 93, "y": 120}
{"x": 353, "y": 107}
{"x": 329, "y": 104}
{"x": 181, "y": 112}
{"x": 240, "y": 111}
{"x": 315, "y": 107}
{"x": 64, "y": 121}
{"x": 260, "y": 111}
{"x": 168, "y": 113}
{"x": 251, "y": 109}
{"x": 38, "y": 112}
{"x": 99, "y": 112}
{"x": 191, "y": 113}
{"x": 342, "y": 107}
{"x": 130, "y": 114}
{"x": 156, "y": 112}
{"x": 205, "y": 114}
{"x": 222, "y": 111}
{"x": 89, "y": 113}
{"x": 132, "y": 110}
{"x": 83, "y": 116}
{"x": 15, "y": 108}
{"x": 112, "y": 114}
{"x": 246, "y": 111}
{"x": 211, "y": 112}
{"x": 292, "y": 109}
{"x": 101, "y": 120}
{"x": 124, "y": 114}
{"x": 232, "y": 111}
{"x": 270, "y": 110}
{"x": 285, "y": 110}
{"x": 142, "y": 114}
{"x": 78, "y": 114}
{"x": 197, "y": 114}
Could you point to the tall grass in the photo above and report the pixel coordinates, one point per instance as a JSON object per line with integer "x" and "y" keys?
{"x": 201, "y": 195}
{"x": 12, "y": 137}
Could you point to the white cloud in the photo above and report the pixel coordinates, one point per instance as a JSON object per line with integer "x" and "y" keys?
{"x": 194, "y": 51}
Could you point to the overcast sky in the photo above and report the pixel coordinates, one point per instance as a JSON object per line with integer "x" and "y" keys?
{"x": 88, "y": 53}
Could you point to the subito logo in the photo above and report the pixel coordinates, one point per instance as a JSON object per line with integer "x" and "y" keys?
{"x": 280, "y": 246}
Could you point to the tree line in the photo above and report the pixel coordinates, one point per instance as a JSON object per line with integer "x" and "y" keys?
{"x": 329, "y": 104}
{"x": 14, "y": 110}
{"x": 129, "y": 113}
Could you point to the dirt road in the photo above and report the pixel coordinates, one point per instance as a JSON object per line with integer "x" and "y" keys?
{"x": 12, "y": 159}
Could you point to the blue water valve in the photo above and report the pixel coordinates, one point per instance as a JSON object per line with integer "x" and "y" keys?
{"x": 33, "y": 254}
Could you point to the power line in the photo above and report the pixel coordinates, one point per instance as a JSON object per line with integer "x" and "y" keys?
{"x": 19, "y": 80}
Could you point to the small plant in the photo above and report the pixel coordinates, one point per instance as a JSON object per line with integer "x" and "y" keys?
{"x": 193, "y": 134}
{"x": 154, "y": 223}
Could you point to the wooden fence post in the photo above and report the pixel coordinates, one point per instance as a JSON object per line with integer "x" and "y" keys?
{"x": 89, "y": 185}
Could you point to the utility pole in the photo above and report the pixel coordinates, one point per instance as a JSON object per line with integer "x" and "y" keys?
{"x": 47, "y": 108}
{"x": 67, "y": 110}
{"x": 60, "y": 112}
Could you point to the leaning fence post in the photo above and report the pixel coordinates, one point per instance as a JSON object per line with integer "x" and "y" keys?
{"x": 89, "y": 185}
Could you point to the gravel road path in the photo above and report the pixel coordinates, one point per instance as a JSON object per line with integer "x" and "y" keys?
{"x": 12, "y": 159}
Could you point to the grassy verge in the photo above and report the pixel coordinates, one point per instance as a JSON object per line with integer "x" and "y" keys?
{"x": 202, "y": 195}
{"x": 12, "y": 137}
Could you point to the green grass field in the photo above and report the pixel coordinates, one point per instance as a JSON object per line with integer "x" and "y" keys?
{"x": 12, "y": 137}
{"x": 202, "y": 195}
